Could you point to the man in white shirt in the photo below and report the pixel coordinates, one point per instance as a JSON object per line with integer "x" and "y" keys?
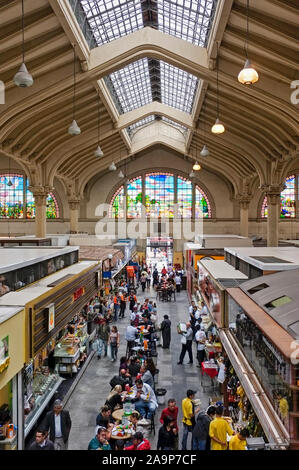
{"x": 145, "y": 401}
{"x": 178, "y": 282}
{"x": 186, "y": 342}
{"x": 131, "y": 335}
{"x": 200, "y": 338}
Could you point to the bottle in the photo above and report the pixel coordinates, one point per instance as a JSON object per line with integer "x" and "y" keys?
{"x": 10, "y": 431}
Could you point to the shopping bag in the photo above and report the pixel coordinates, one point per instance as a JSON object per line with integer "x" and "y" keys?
{"x": 109, "y": 353}
{"x": 95, "y": 345}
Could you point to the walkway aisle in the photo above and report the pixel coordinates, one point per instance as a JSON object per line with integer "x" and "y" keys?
{"x": 93, "y": 388}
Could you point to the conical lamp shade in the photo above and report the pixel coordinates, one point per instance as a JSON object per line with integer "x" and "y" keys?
{"x": 196, "y": 166}
{"x": 120, "y": 174}
{"x": 112, "y": 167}
{"x": 248, "y": 74}
{"x": 191, "y": 174}
{"x": 23, "y": 78}
{"x": 98, "y": 152}
{"x": 218, "y": 127}
{"x": 74, "y": 129}
{"x": 205, "y": 151}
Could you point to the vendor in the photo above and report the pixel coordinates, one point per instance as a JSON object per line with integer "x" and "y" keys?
{"x": 71, "y": 333}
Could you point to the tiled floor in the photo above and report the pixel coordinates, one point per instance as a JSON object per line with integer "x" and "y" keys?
{"x": 93, "y": 388}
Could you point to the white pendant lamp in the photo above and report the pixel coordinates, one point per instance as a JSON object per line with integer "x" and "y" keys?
{"x": 218, "y": 127}
{"x": 98, "y": 152}
{"x": 112, "y": 167}
{"x": 22, "y": 78}
{"x": 74, "y": 129}
{"x": 191, "y": 174}
{"x": 205, "y": 151}
{"x": 120, "y": 174}
{"x": 248, "y": 74}
{"x": 196, "y": 166}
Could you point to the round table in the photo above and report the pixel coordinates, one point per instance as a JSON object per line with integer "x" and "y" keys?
{"x": 118, "y": 414}
{"x": 126, "y": 436}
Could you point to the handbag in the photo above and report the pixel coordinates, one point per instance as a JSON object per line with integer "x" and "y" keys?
{"x": 95, "y": 345}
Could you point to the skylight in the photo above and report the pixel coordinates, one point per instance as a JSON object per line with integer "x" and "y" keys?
{"x": 183, "y": 129}
{"x": 140, "y": 123}
{"x": 190, "y": 20}
{"x": 177, "y": 87}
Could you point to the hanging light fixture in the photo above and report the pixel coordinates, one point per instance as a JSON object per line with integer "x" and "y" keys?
{"x": 218, "y": 127}
{"x": 74, "y": 129}
{"x": 120, "y": 174}
{"x": 191, "y": 174}
{"x": 98, "y": 152}
{"x": 248, "y": 74}
{"x": 196, "y": 166}
{"x": 112, "y": 167}
{"x": 205, "y": 151}
{"x": 23, "y": 78}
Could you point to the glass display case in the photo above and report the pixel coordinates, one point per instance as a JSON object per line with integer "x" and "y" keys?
{"x": 21, "y": 277}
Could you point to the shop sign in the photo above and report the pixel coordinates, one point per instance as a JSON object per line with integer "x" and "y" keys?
{"x": 4, "y": 354}
{"x": 51, "y": 317}
{"x": 79, "y": 293}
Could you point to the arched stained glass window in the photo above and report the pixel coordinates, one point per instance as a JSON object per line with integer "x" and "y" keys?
{"x": 202, "y": 205}
{"x": 117, "y": 204}
{"x": 159, "y": 195}
{"x": 11, "y": 196}
{"x": 159, "y": 198}
{"x": 134, "y": 198}
{"x": 16, "y": 201}
{"x": 287, "y": 200}
{"x": 184, "y": 198}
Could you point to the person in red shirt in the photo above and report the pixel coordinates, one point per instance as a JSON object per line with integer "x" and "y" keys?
{"x": 139, "y": 443}
{"x": 172, "y": 412}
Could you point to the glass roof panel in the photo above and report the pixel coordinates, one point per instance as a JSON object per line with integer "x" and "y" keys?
{"x": 112, "y": 19}
{"x": 131, "y": 85}
{"x": 190, "y": 20}
{"x": 175, "y": 124}
{"x": 140, "y": 123}
{"x": 177, "y": 87}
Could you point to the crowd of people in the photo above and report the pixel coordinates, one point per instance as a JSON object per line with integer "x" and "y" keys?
{"x": 136, "y": 377}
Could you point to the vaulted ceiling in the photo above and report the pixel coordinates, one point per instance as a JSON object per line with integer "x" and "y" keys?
{"x": 156, "y": 84}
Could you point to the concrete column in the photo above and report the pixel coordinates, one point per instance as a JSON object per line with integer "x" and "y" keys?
{"x": 40, "y": 194}
{"x": 74, "y": 205}
{"x": 244, "y": 206}
{"x": 273, "y": 198}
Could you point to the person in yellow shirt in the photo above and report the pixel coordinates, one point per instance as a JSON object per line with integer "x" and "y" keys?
{"x": 238, "y": 442}
{"x": 219, "y": 428}
{"x": 188, "y": 416}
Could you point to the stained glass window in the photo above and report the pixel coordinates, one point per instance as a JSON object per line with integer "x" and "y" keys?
{"x": 117, "y": 204}
{"x": 14, "y": 197}
{"x": 202, "y": 205}
{"x": 52, "y": 210}
{"x": 287, "y": 200}
{"x": 134, "y": 198}
{"x": 159, "y": 195}
{"x": 184, "y": 198}
{"x": 11, "y": 196}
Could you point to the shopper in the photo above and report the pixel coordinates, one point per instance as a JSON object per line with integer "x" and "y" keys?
{"x": 178, "y": 282}
{"x": 134, "y": 366}
{"x": 103, "y": 336}
{"x": 166, "y": 435}
{"x": 200, "y": 339}
{"x": 145, "y": 401}
{"x": 104, "y": 416}
{"x": 238, "y": 442}
{"x": 123, "y": 304}
{"x": 139, "y": 443}
{"x": 143, "y": 281}
{"x": 132, "y": 301}
{"x": 186, "y": 342}
{"x": 165, "y": 327}
{"x": 188, "y": 416}
{"x": 100, "y": 442}
{"x": 41, "y": 442}
{"x": 200, "y": 433}
{"x": 113, "y": 341}
{"x": 59, "y": 423}
{"x": 149, "y": 373}
{"x": 114, "y": 399}
{"x": 130, "y": 336}
{"x": 219, "y": 428}
{"x": 148, "y": 278}
{"x": 172, "y": 412}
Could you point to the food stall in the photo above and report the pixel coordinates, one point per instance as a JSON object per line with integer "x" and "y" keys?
{"x": 12, "y": 357}
{"x": 208, "y": 247}
{"x": 260, "y": 261}
{"x": 51, "y": 305}
{"x": 261, "y": 343}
